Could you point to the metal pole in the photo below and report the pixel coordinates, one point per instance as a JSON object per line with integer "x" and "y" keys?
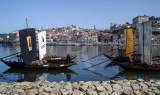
{"x": 26, "y": 22}
{"x": 143, "y": 42}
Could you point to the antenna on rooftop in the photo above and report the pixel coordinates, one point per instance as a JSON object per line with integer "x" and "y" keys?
{"x": 26, "y": 22}
{"x": 94, "y": 27}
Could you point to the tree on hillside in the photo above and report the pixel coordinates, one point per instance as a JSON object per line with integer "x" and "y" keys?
{"x": 152, "y": 18}
{"x": 127, "y": 23}
{"x": 158, "y": 18}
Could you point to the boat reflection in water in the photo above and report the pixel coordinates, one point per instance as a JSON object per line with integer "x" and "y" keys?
{"x": 31, "y": 75}
{"x": 133, "y": 75}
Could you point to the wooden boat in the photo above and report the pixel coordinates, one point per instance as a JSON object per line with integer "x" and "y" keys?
{"x": 51, "y": 58}
{"x": 136, "y": 59}
{"x": 147, "y": 63}
{"x": 117, "y": 58}
{"x": 27, "y": 57}
{"x": 139, "y": 67}
{"x": 124, "y": 54}
{"x": 56, "y": 58}
{"x": 49, "y": 63}
{"x": 42, "y": 65}
{"x": 125, "y": 63}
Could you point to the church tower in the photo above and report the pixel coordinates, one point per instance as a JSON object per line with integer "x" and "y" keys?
{"x": 94, "y": 27}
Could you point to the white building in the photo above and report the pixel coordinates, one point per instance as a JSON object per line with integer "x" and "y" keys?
{"x": 140, "y": 19}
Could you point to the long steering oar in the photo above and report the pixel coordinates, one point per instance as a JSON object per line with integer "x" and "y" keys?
{"x": 99, "y": 55}
{"x": 104, "y": 61}
{"x": 98, "y": 64}
{"x": 10, "y": 55}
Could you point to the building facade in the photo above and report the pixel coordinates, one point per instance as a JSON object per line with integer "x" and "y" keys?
{"x": 140, "y": 19}
{"x": 156, "y": 26}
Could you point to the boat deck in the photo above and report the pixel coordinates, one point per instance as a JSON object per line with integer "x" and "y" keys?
{"x": 51, "y": 65}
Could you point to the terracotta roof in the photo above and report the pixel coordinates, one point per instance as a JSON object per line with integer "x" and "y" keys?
{"x": 125, "y": 25}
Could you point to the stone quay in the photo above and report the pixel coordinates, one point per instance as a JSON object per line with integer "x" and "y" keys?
{"x": 112, "y": 87}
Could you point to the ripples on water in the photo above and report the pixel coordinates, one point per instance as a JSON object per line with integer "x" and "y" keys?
{"x": 76, "y": 72}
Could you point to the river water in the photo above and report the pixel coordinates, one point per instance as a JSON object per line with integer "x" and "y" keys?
{"x": 75, "y": 73}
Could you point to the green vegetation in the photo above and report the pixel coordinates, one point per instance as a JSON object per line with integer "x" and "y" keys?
{"x": 154, "y": 18}
{"x": 127, "y": 23}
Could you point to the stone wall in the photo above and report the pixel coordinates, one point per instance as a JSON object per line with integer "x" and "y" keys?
{"x": 121, "y": 87}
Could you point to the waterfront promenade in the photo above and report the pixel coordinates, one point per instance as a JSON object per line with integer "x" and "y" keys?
{"x": 112, "y": 87}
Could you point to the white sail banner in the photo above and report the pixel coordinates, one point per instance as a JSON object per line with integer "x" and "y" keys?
{"x": 42, "y": 44}
{"x": 145, "y": 35}
{"x": 147, "y": 42}
{"x": 140, "y": 29}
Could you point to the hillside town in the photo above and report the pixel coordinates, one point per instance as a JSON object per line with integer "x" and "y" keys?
{"x": 74, "y": 35}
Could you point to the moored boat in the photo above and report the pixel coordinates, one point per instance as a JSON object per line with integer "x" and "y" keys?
{"x": 125, "y": 55}
{"x": 117, "y": 58}
{"x": 57, "y": 58}
{"x": 27, "y": 58}
{"x": 56, "y": 65}
{"x": 147, "y": 62}
{"x": 136, "y": 59}
{"x": 143, "y": 61}
{"x": 140, "y": 67}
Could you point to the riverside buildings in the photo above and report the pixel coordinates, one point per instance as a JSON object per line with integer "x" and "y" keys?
{"x": 69, "y": 34}
{"x": 11, "y": 38}
{"x": 115, "y": 27}
{"x": 73, "y": 34}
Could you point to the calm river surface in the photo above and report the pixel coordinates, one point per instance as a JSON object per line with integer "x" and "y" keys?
{"x": 76, "y": 72}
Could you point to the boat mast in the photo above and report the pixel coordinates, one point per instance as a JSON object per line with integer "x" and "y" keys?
{"x": 26, "y": 22}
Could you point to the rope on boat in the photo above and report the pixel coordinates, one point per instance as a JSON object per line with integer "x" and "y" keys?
{"x": 100, "y": 54}
{"x": 98, "y": 64}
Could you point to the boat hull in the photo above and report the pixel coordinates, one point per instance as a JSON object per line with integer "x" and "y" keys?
{"x": 14, "y": 64}
{"x": 118, "y": 59}
{"x": 19, "y": 65}
{"x": 138, "y": 67}
{"x": 126, "y": 59}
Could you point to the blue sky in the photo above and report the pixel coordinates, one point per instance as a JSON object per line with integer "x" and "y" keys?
{"x": 83, "y": 13}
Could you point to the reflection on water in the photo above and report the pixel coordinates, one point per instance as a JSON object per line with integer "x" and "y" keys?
{"x": 130, "y": 75}
{"x": 20, "y": 75}
{"x": 100, "y": 72}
